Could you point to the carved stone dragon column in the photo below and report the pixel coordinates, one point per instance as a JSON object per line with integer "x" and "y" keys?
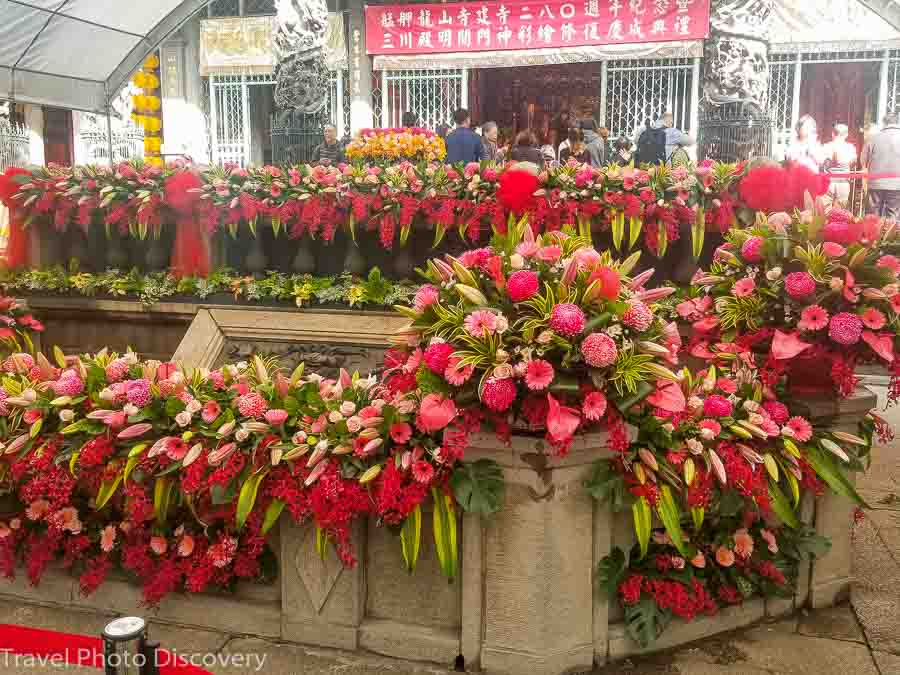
{"x": 734, "y": 123}
{"x": 301, "y": 75}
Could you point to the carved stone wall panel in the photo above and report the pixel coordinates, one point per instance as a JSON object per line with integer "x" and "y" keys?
{"x": 320, "y": 357}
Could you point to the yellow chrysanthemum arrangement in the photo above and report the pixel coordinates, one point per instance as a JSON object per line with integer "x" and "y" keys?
{"x": 147, "y": 105}
{"x": 391, "y": 145}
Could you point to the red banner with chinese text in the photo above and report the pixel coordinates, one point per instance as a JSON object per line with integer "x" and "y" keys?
{"x": 524, "y": 24}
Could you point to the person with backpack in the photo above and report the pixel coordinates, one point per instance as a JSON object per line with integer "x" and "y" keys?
{"x": 651, "y": 145}
{"x": 594, "y": 144}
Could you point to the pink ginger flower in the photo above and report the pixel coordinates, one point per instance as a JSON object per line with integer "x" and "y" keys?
{"x": 539, "y": 374}
{"x": 481, "y": 323}
{"x": 813, "y": 318}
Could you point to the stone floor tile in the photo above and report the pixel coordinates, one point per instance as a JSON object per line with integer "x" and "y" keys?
{"x": 888, "y": 664}
{"x": 875, "y": 595}
{"x": 835, "y": 623}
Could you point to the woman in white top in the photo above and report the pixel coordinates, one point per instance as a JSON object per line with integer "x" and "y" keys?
{"x": 806, "y": 149}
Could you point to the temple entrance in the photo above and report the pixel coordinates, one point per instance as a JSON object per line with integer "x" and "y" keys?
{"x": 845, "y": 93}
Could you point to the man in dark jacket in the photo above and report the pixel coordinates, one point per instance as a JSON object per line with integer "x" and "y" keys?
{"x": 329, "y": 153}
{"x": 463, "y": 144}
{"x": 594, "y": 143}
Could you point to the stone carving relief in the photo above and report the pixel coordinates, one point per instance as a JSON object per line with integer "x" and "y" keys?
{"x": 301, "y": 74}
{"x": 736, "y": 54}
{"x": 323, "y": 358}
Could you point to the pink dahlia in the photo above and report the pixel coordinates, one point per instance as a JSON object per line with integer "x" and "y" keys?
{"x": 498, "y": 395}
{"x": 422, "y": 472}
{"x": 117, "y": 370}
{"x": 456, "y": 374}
{"x": 426, "y": 296}
{"x": 594, "y": 406}
{"x": 539, "y": 374}
{"x": 777, "y": 411}
{"x": 743, "y": 287}
{"x": 752, "y": 249}
{"x": 890, "y": 262}
{"x": 522, "y": 285}
{"x": 637, "y": 316}
{"x": 717, "y": 406}
{"x": 481, "y": 323}
{"x": 813, "y": 318}
{"x": 599, "y": 350}
{"x": 800, "y": 284}
{"x": 845, "y": 328}
{"x": 138, "y": 392}
{"x": 801, "y": 429}
{"x": 68, "y": 384}
{"x": 873, "y": 319}
{"x": 252, "y": 405}
{"x": 437, "y": 356}
{"x": 567, "y": 319}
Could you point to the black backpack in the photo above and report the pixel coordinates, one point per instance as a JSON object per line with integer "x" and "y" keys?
{"x": 651, "y": 147}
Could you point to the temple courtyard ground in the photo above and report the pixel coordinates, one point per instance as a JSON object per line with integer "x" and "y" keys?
{"x": 861, "y": 637}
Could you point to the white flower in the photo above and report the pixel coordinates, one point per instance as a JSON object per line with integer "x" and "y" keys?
{"x": 29, "y": 395}
{"x": 354, "y": 424}
{"x": 503, "y": 371}
{"x": 194, "y": 406}
{"x": 299, "y": 438}
{"x": 545, "y": 337}
{"x": 241, "y": 365}
{"x": 130, "y": 409}
{"x": 695, "y": 403}
{"x": 378, "y": 404}
{"x": 755, "y": 418}
{"x": 516, "y": 261}
{"x": 66, "y": 415}
{"x": 695, "y": 446}
{"x": 502, "y": 356}
{"x": 751, "y": 406}
{"x": 406, "y": 406}
{"x": 348, "y": 408}
{"x": 177, "y": 378}
{"x": 315, "y": 377}
{"x": 183, "y": 418}
{"x": 231, "y": 371}
{"x": 614, "y": 331}
{"x": 322, "y": 445}
{"x": 241, "y": 435}
{"x": 107, "y": 394}
{"x": 787, "y": 431}
{"x": 334, "y": 417}
{"x": 130, "y": 358}
{"x": 668, "y": 426}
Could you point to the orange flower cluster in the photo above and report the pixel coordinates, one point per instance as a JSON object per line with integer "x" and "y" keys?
{"x": 397, "y": 144}
{"x": 147, "y": 113}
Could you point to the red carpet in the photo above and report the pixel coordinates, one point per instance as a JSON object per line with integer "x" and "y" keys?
{"x": 52, "y": 648}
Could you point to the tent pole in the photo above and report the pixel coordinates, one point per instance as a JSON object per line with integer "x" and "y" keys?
{"x": 109, "y": 138}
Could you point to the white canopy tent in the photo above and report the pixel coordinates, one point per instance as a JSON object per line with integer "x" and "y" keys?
{"x": 78, "y": 54}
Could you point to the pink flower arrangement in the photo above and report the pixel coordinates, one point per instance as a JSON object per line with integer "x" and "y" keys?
{"x": 599, "y": 350}
{"x": 813, "y": 318}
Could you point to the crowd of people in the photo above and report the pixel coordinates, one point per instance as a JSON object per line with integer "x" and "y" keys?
{"x": 878, "y": 164}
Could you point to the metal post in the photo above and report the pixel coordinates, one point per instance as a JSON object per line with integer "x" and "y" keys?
{"x": 246, "y": 129}
{"x": 695, "y": 97}
{"x": 384, "y": 100}
{"x": 109, "y": 136}
{"x": 795, "y": 102}
{"x": 883, "y": 86}
{"x": 464, "y": 83}
{"x": 604, "y": 74}
{"x": 213, "y": 120}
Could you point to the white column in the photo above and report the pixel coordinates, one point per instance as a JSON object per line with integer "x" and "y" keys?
{"x": 795, "y": 101}
{"x": 464, "y": 84}
{"x": 385, "y": 104}
{"x": 695, "y": 98}
{"x": 604, "y": 74}
{"x": 883, "y": 87}
{"x": 361, "y": 115}
{"x": 34, "y": 120}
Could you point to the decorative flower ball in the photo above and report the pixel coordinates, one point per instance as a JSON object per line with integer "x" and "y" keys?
{"x": 522, "y": 285}
{"x": 637, "y": 316}
{"x": 68, "y": 384}
{"x": 599, "y": 350}
{"x": 437, "y": 356}
{"x": 498, "y": 395}
{"x": 717, "y": 406}
{"x": 252, "y": 405}
{"x": 800, "y": 284}
{"x": 752, "y": 249}
{"x": 567, "y": 319}
{"x": 138, "y": 392}
{"x": 845, "y": 328}
{"x": 117, "y": 370}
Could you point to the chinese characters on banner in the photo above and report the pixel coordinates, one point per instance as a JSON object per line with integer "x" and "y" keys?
{"x": 524, "y": 24}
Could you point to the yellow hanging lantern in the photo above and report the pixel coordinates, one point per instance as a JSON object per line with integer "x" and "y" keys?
{"x": 151, "y": 62}
{"x": 152, "y": 103}
{"x": 150, "y": 81}
{"x": 152, "y": 125}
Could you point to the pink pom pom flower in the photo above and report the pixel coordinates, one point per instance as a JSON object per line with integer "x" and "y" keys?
{"x": 498, "y": 395}
{"x": 567, "y": 319}
{"x": 845, "y": 328}
{"x": 522, "y": 285}
{"x": 800, "y": 284}
{"x": 599, "y": 350}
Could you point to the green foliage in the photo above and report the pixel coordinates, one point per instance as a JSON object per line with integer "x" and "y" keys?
{"x": 644, "y": 620}
{"x": 741, "y": 312}
{"x": 611, "y": 570}
{"x": 607, "y": 485}
{"x": 478, "y": 486}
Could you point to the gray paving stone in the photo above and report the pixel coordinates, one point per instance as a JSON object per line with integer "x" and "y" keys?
{"x": 835, "y": 623}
